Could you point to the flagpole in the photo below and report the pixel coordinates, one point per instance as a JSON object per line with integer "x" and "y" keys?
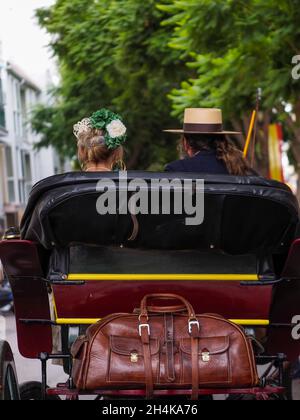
{"x": 253, "y": 123}
{"x": 248, "y": 141}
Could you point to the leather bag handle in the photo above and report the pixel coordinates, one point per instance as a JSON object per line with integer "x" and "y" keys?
{"x": 145, "y": 310}
{"x": 163, "y": 309}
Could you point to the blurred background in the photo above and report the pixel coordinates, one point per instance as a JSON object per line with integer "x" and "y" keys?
{"x": 147, "y": 60}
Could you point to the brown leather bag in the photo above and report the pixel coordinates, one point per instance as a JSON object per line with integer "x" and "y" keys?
{"x": 164, "y": 348}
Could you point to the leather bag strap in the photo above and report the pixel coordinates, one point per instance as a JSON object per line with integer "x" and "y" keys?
{"x": 169, "y": 343}
{"x": 145, "y": 336}
{"x": 144, "y": 331}
{"x": 195, "y": 369}
{"x": 195, "y": 335}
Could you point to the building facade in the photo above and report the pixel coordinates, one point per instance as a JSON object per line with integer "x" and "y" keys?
{"x": 21, "y": 165}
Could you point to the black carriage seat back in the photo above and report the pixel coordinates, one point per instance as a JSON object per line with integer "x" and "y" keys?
{"x": 107, "y": 260}
{"x": 243, "y": 215}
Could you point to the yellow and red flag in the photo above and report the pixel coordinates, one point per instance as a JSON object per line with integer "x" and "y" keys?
{"x": 275, "y": 152}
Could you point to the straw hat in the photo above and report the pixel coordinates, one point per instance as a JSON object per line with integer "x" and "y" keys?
{"x": 202, "y": 121}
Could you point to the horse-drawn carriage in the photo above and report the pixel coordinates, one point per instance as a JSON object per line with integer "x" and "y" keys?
{"x": 73, "y": 266}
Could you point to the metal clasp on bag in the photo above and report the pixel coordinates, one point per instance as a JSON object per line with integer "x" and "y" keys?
{"x": 191, "y": 323}
{"x": 144, "y": 326}
{"x": 134, "y": 357}
{"x": 206, "y": 356}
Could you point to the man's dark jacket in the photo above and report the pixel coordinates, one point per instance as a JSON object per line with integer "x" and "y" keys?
{"x": 203, "y": 162}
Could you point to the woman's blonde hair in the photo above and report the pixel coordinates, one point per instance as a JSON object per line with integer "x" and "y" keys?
{"x": 93, "y": 150}
{"x": 100, "y": 139}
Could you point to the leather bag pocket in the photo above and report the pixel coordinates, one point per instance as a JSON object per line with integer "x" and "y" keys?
{"x": 78, "y": 347}
{"x": 79, "y": 354}
{"x": 126, "y": 364}
{"x": 214, "y": 361}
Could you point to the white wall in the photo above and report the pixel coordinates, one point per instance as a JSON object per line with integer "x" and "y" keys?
{"x": 29, "y": 165}
{"x": 43, "y": 164}
{"x": 2, "y": 181}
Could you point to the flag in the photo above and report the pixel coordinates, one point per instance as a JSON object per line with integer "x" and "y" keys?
{"x": 275, "y": 152}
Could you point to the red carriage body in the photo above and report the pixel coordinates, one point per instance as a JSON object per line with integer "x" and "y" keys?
{"x": 242, "y": 262}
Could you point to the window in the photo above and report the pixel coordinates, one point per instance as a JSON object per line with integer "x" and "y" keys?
{"x": 25, "y": 184}
{"x": 24, "y": 113}
{"x": 10, "y": 175}
{"x": 2, "y": 113}
{"x": 17, "y": 108}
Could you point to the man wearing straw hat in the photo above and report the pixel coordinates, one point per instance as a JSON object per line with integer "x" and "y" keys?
{"x": 207, "y": 146}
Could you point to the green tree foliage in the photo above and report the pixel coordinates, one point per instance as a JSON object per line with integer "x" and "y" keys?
{"x": 137, "y": 57}
{"x": 112, "y": 53}
{"x": 236, "y": 46}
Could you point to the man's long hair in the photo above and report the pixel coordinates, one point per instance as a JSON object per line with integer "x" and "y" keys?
{"x": 225, "y": 151}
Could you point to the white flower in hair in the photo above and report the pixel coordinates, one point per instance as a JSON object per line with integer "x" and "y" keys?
{"x": 116, "y": 129}
{"x": 82, "y": 127}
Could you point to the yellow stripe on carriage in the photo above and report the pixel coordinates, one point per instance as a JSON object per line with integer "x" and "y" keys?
{"x": 251, "y": 322}
{"x": 86, "y": 321}
{"x": 163, "y": 277}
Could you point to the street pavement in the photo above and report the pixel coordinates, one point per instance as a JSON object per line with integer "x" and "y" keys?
{"x": 29, "y": 370}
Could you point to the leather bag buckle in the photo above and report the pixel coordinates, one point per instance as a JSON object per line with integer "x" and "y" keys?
{"x": 191, "y": 323}
{"x": 144, "y": 326}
